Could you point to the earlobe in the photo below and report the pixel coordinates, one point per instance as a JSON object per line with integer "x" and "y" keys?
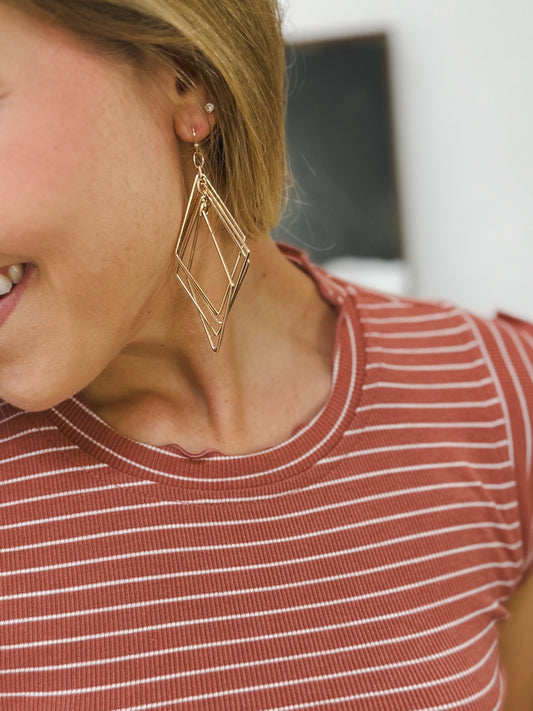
{"x": 194, "y": 117}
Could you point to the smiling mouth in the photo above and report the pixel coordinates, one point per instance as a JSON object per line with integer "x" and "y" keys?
{"x": 13, "y": 292}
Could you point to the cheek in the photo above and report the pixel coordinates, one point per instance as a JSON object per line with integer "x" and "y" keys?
{"x": 41, "y": 161}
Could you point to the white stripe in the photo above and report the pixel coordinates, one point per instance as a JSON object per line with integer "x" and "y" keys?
{"x": 241, "y": 568}
{"x": 290, "y": 539}
{"x": 430, "y": 386}
{"x": 420, "y": 318}
{"x": 26, "y": 432}
{"x": 327, "y": 702}
{"x": 385, "y": 305}
{"x": 11, "y": 417}
{"x": 470, "y": 365}
{"x": 431, "y": 351}
{"x": 500, "y": 487}
{"x": 453, "y": 705}
{"x": 426, "y": 425}
{"x": 53, "y": 472}
{"x": 36, "y": 453}
{"x": 430, "y": 405}
{"x": 77, "y": 492}
{"x": 441, "y": 332}
{"x": 403, "y": 448}
{"x": 447, "y": 652}
{"x": 410, "y": 468}
{"x": 248, "y": 689}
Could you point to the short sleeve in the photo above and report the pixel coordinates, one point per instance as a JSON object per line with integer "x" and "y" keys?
{"x": 509, "y": 344}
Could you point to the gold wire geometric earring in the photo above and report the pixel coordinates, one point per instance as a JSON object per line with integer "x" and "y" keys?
{"x": 206, "y": 209}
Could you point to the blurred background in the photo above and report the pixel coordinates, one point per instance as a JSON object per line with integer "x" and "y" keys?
{"x": 410, "y": 137}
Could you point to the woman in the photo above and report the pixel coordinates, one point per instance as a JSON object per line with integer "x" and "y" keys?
{"x": 333, "y": 509}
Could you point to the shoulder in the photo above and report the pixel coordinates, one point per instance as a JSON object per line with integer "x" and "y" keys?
{"x": 381, "y": 313}
{"x": 477, "y": 359}
{"x": 434, "y": 331}
{"x": 442, "y": 332}
{"x": 401, "y": 333}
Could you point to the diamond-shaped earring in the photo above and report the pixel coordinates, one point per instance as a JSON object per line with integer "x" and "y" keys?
{"x": 227, "y": 243}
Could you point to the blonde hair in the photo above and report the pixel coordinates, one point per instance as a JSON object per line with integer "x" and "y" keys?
{"x": 235, "y": 49}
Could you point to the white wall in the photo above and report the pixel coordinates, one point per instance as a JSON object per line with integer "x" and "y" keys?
{"x": 463, "y": 99}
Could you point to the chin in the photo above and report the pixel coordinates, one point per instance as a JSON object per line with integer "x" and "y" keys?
{"x": 32, "y": 398}
{"x": 29, "y": 404}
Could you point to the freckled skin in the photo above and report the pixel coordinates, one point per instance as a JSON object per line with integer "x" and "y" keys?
{"x": 91, "y": 191}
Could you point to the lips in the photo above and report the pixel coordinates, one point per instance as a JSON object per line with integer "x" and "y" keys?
{"x": 9, "y": 301}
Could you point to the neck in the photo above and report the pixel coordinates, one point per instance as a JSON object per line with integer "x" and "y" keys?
{"x": 167, "y": 385}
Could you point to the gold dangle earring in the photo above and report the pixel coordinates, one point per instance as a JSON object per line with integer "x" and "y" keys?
{"x": 206, "y": 210}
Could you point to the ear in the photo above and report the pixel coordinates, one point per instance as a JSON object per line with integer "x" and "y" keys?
{"x": 194, "y": 114}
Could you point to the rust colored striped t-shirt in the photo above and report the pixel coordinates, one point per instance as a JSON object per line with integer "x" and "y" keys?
{"x": 362, "y": 564}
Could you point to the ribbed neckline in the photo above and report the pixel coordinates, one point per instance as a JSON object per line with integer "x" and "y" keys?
{"x": 211, "y": 473}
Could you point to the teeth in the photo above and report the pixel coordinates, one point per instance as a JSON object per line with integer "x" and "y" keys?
{"x": 5, "y": 285}
{"x": 15, "y": 273}
{"x": 13, "y": 276}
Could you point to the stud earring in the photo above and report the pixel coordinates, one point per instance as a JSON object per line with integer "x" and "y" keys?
{"x": 209, "y": 107}
{"x": 207, "y": 213}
